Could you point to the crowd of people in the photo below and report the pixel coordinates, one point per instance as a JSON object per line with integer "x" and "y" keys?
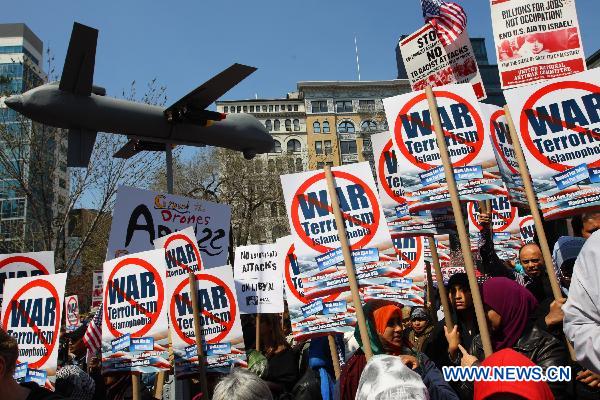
{"x": 527, "y": 325}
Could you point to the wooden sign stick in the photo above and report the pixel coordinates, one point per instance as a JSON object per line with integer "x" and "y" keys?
{"x": 257, "y": 332}
{"x": 345, "y": 245}
{"x": 136, "y": 389}
{"x": 460, "y": 227}
{"x": 197, "y": 333}
{"x": 441, "y": 288}
{"x": 335, "y": 359}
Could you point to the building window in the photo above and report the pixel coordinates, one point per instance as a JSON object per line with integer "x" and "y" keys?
{"x": 289, "y": 107}
{"x": 319, "y": 106}
{"x": 288, "y": 125}
{"x": 343, "y": 106}
{"x": 368, "y": 126}
{"x": 299, "y": 166}
{"x": 325, "y": 126}
{"x": 296, "y": 125}
{"x": 279, "y": 164}
{"x": 245, "y": 108}
{"x": 276, "y": 125}
{"x": 270, "y": 107}
{"x": 318, "y": 147}
{"x": 276, "y": 108}
{"x": 316, "y": 127}
{"x": 277, "y": 147}
{"x": 283, "y": 107}
{"x": 295, "y": 107}
{"x": 328, "y": 147}
{"x": 239, "y": 109}
{"x": 346, "y": 127}
{"x": 268, "y": 125}
{"x": 290, "y": 165}
{"x": 225, "y": 109}
{"x": 367, "y": 105}
{"x": 264, "y": 108}
{"x": 348, "y": 146}
{"x": 62, "y": 183}
{"x": 251, "y": 108}
{"x": 294, "y": 146}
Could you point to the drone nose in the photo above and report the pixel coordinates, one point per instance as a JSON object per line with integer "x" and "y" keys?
{"x": 15, "y": 102}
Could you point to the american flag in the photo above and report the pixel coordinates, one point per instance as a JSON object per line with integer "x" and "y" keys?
{"x": 448, "y": 19}
{"x": 93, "y": 334}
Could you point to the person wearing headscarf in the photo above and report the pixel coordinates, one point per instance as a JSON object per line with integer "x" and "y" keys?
{"x": 384, "y": 328}
{"x": 387, "y": 378}
{"x": 509, "y": 310}
{"x": 529, "y": 390}
{"x": 582, "y": 309}
{"x": 420, "y": 328}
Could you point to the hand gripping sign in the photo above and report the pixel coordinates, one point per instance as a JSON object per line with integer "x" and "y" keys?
{"x": 505, "y": 227}
{"x": 469, "y": 146}
{"x": 142, "y": 216}
{"x": 71, "y": 313}
{"x": 429, "y": 63}
{"x": 220, "y": 324}
{"x": 559, "y": 125}
{"x": 536, "y": 40}
{"x": 31, "y": 313}
{"x": 134, "y": 324}
{"x": 393, "y": 202}
{"x": 20, "y": 265}
{"x": 258, "y": 279}
{"x": 505, "y": 154}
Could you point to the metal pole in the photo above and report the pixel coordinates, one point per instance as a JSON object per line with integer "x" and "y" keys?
{"x": 169, "y": 162}
{"x": 465, "y": 245}
{"x": 345, "y": 245}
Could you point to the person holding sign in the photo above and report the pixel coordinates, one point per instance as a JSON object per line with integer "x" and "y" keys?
{"x": 384, "y": 323}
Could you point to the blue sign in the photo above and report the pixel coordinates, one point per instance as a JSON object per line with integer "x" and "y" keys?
{"x": 313, "y": 308}
{"x": 403, "y": 283}
{"x": 571, "y": 176}
{"x": 216, "y": 349}
{"x": 142, "y": 344}
{"x": 362, "y": 256}
{"x": 335, "y": 307}
{"x": 468, "y": 173}
{"x": 594, "y": 175}
{"x": 433, "y": 175}
{"x": 191, "y": 352}
{"x": 329, "y": 259}
{"x": 20, "y": 372}
{"x": 121, "y": 344}
{"x": 36, "y": 375}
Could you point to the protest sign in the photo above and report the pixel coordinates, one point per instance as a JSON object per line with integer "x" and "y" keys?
{"x": 505, "y": 153}
{"x": 258, "y": 279}
{"x": 469, "y": 147}
{"x": 142, "y": 216}
{"x": 527, "y": 229}
{"x": 558, "y": 129}
{"x": 221, "y": 329}
{"x": 97, "y": 289}
{"x": 31, "y": 313}
{"x": 393, "y": 202}
{"x": 20, "y": 265}
{"x": 536, "y": 40}
{"x": 71, "y": 313}
{"x": 134, "y": 323}
{"x": 182, "y": 254}
{"x": 317, "y": 245}
{"x": 429, "y": 63}
{"x": 504, "y": 230}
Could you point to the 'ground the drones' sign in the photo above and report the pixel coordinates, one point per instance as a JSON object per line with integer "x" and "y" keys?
{"x": 559, "y": 131}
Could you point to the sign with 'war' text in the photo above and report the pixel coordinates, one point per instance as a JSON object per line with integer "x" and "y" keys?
{"x": 71, "y": 313}
{"x": 258, "y": 279}
{"x": 559, "y": 130}
{"x": 31, "y": 313}
{"x": 220, "y": 322}
{"x": 469, "y": 147}
{"x": 134, "y": 323}
{"x": 142, "y": 216}
{"x": 20, "y": 265}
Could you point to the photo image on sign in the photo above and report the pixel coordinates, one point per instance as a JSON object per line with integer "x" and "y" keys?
{"x": 534, "y": 44}
{"x": 448, "y": 75}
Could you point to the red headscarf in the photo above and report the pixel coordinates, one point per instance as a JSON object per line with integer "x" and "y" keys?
{"x": 530, "y": 390}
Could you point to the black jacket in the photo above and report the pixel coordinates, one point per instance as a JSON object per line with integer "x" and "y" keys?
{"x": 540, "y": 347}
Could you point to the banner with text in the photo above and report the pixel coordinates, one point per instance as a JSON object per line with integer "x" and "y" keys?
{"x": 71, "y": 313}
{"x": 536, "y": 40}
{"x": 142, "y": 216}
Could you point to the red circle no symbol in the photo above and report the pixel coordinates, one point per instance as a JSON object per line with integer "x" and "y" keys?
{"x": 411, "y": 263}
{"x": 15, "y": 300}
{"x": 186, "y": 239}
{"x": 530, "y": 105}
{"x": 505, "y": 221}
{"x": 159, "y": 301}
{"x": 382, "y": 175}
{"x": 227, "y": 324}
{"x": 423, "y": 97}
{"x": 496, "y": 142}
{"x": 71, "y": 316}
{"x": 295, "y": 209}
{"x": 26, "y": 260}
